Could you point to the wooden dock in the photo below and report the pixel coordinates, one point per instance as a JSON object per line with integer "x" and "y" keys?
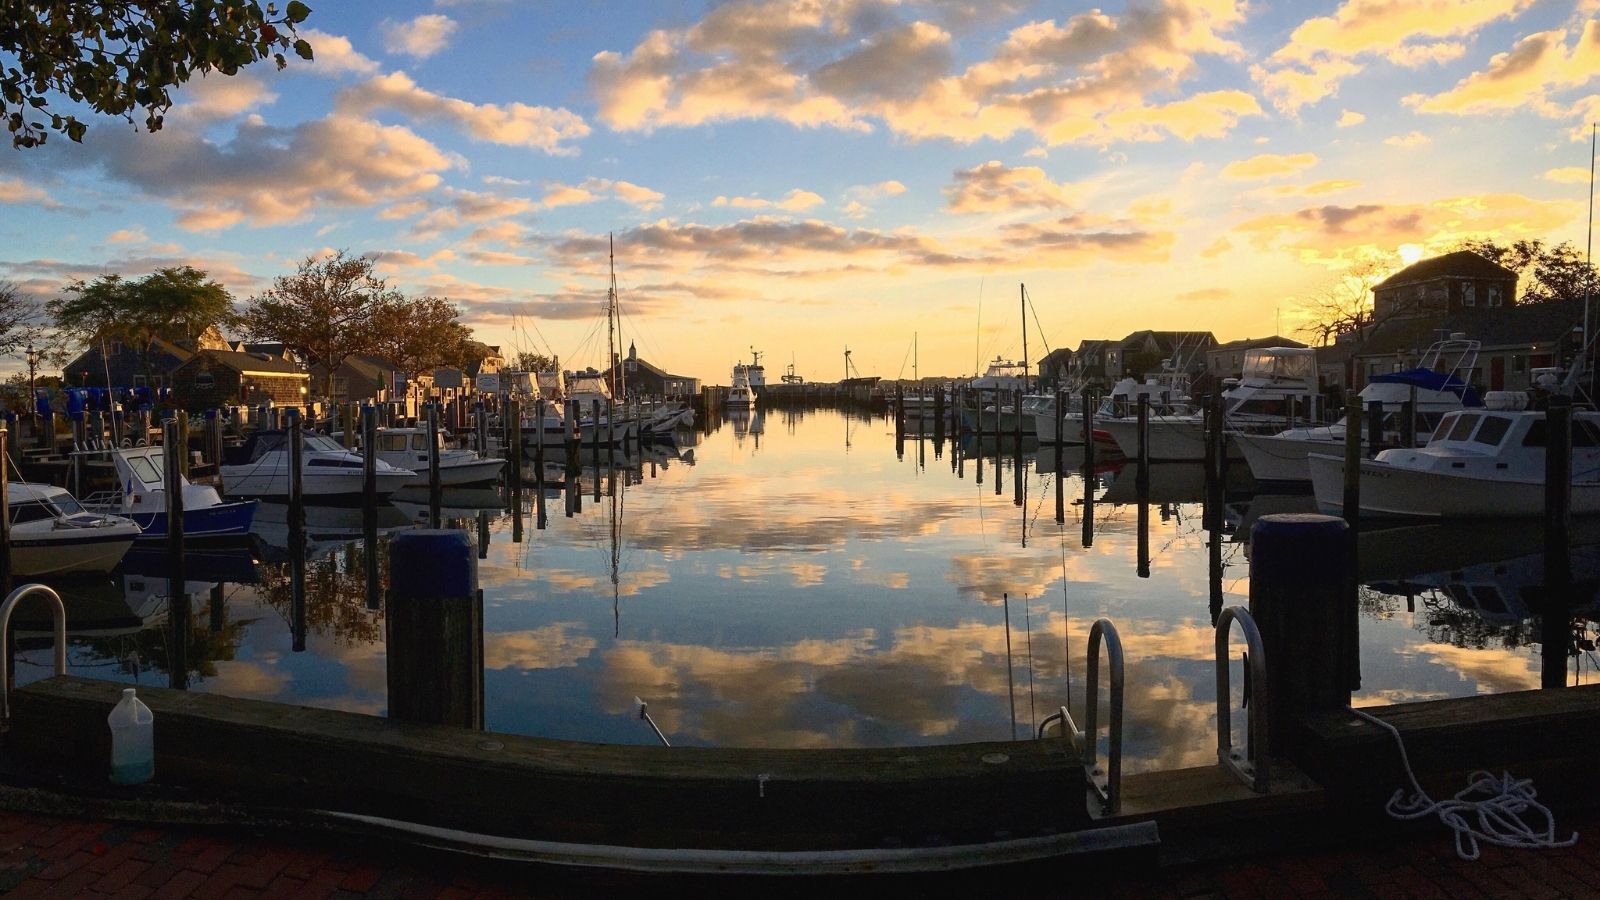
{"x": 997, "y": 803}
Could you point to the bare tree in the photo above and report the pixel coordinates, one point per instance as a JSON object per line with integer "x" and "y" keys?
{"x": 1345, "y": 306}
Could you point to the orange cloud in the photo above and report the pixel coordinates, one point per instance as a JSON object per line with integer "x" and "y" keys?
{"x": 1522, "y": 77}
{"x": 996, "y": 187}
{"x": 1268, "y": 165}
{"x": 514, "y": 124}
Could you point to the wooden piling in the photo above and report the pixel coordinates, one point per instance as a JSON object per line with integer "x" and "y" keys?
{"x": 435, "y": 483}
{"x": 297, "y": 532}
{"x": 5, "y": 520}
{"x": 1374, "y": 428}
{"x": 1060, "y": 469}
{"x": 173, "y": 457}
{"x": 1142, "y": 480}
{"x": 1298, "y": 601}
{"x": 1088, "y": 432}
{"x": 538, "y": 465}
{"x": 1352, "y": 462}
{"x": 369, "y": 501}
{"x": 1555, "y": 611}
{"x": 433, "y": 618}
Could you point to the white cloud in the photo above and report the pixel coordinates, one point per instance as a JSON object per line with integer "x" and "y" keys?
{"x": 1350, "y": 117}
{"x": 1408, "y": 140}
{"x": 420, "y": 38}
{"x": 514, "y": 124}
{"x": 333, "y": 54}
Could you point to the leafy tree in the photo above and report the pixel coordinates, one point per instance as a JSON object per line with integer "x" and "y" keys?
{"x": 122, "y": 56}
{"x": 420, "y": 334}
{"x": 21, "y": 319}
{"x": 176, "y": 302}
{"x": 537, "y": 362}
{"x": 1546, "y": 274}
{"x": 325, "y": 313}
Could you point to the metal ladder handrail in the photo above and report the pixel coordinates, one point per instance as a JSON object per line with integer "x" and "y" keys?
{"x": 58, "y": 613}
{"x": 1253, "y": 765}
{"x": 1106, "y": 784}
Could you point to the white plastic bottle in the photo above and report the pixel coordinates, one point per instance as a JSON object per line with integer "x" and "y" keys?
{"x": 133, "y": 747}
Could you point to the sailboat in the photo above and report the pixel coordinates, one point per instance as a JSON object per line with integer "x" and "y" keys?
{"x": 1000, "y": 383}
{"x": 920, "y": 402}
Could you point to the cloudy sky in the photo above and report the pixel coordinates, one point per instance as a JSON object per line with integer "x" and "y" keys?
{"x": 805, "y": 176}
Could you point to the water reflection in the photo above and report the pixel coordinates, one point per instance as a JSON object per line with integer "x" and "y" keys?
{"x": 805, "y": 577}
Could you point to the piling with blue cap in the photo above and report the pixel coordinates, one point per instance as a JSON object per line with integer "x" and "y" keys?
{"x": 1302, "y": 597}
{"x": 434, "y": 624}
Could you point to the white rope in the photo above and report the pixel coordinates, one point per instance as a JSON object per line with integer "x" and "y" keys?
{"x": 1504, "y": 809}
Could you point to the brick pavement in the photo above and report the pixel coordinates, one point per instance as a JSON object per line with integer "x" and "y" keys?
{"x": 43, "y": 856}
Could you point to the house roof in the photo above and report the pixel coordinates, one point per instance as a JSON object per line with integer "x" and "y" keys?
{"x": 1460, "y": 264}
{"x": 249, "y": 364}
{"x": 1276, "y": 340}
{"x": 1507, "y": 326}
{"x": 1057, "y": 357}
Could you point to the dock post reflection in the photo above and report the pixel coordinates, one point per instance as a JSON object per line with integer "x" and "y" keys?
{"x": 1555, "y": 617}
{"x": 369, "y": 501}
{"x": 539, "y": 519}
{"x": 178, "y": 611}
{"x": 297, "y": 532}
{"x": 216, "y": 607}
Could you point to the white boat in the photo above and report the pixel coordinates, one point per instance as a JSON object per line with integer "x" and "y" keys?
{"x": 1000, "y": 382}
{"x": 329, "y": 473}
{"x": 1439, "y": 388}
{"x": 142, "y": 497}
{"x": 1480, "y": 463}
{"x": 740, "y": 394}
{"x": 52, "y": 534}
{"x": 1278, "y": 390}
{"x": 407, "y": 448}
{"x": 1166, "y": 399}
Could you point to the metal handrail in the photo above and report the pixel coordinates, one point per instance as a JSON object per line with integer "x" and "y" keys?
{"x": 58, "y": 613}
{"x": 1107, "y": 783}
{"x": 1253, "y": 764}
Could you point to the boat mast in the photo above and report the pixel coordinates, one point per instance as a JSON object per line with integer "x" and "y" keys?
{"x": 915, "y": 375}
{"x": 1588, "y": 242}
{"x": 1023, "y": 291}
{"x": 611, "y": 315}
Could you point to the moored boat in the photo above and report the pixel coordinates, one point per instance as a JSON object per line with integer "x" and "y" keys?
{"x": 407, "y": 448}
{"x": 52, "y": 534}
{"x": 329, "y": 472}
{"x": 142, "y": 497}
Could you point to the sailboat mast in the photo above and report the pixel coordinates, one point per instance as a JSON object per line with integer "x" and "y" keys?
{"x": 1588, "y": 241}
{"x": 1022, "y": 290}
{"x": 915, "y": 375}
{"x": 611, "y": 314}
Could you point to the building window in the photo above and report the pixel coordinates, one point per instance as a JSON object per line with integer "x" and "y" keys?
{"x": 205, "y": 381}
{"x": 1493, "y": 297}
{"x": 1469, "y": 295}
{"x": 116, "y": 348}
{"x": 1519, "y": 363}
{"x": 138, "y": 381}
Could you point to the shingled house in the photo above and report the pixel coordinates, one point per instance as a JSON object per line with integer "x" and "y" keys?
{"x": 1442, "y": 285}
{"x": 217, "y": 378}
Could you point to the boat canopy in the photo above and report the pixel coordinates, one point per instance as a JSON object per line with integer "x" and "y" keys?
{"x": 1280, "y": 364}
{"x": 1429, "y": 380}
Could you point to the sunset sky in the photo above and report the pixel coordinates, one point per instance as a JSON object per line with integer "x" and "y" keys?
{"x": 802, "y": 177}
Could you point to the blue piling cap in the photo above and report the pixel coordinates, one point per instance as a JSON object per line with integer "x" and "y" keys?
{"x": 210, "y": 414}
{"x": 1298, "y": 548}
{"x": 432, "y": 563}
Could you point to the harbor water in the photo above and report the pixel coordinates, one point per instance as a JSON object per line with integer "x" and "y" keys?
{"x": 801, "y": 578}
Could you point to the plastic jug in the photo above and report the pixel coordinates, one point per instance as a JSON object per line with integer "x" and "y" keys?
{"x": 133, "y": 747}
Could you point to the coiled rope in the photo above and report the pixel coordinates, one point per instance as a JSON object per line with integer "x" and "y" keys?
{"x": 1498, "y": 810}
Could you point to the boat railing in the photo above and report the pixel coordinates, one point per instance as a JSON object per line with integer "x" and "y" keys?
{"x": 58, "y": 616}
{"x": 1251, "y": 764}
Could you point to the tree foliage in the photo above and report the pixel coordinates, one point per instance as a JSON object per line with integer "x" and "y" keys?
{"x": 1344, "y": 305}
{"x": 420, "y": 334}
{"x": 1544, "y": 274}
{"x": 325, "y": 313}
{"x": 119, "y": 57}
{"x": 536, "y": 362}
{"x": 21, "y": 319}
{"x": 175, "y": 302}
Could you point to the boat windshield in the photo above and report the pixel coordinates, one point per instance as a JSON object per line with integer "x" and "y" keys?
{"x": 144, "y": 469}
{"x": 1279, "y": 363}
{"x": 322, "y": 442}
{"x": 67, "y": 504}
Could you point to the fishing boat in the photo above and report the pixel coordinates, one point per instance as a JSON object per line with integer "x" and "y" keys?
{"x": 1278, "y": 390}
{"x": 1486, "y": 463}
{"x": 740, "y": 394}
{"x": 1437, "y": 386}
{"x": 329, "y": 473}
{"x": 141, "y": 495}
{"x": 407, "y": 448}
{"x": 52, "y": 534}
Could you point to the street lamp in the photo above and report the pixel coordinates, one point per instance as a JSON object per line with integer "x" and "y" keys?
{"x": 33, "y": 389}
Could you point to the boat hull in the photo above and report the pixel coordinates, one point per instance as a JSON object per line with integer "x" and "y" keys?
{"x": 478, "y": 471}
{"x": 223, "y": 520}
{"x": 1282, "y": 460}
{"x": 343, "y": 486}
{"x": 74, "y": 551}
{"x": 1392, "y": 491}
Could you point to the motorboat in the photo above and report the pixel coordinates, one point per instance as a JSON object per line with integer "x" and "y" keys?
{"x": 329, "y": 473}
{"x": 407, "y": 448}
{"x": 1277, "y": 390}
{"x": 740, "y": 395}
{"x": 52, "y": 534}
{"x": 996, "y": 410}
{"x": 1166, "y": 399}
{"x": 1485, "y": 462}
{"x": 141, "y": 495}
{"x": 1437, "y": 384}
{"x": 662, "y": 420}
